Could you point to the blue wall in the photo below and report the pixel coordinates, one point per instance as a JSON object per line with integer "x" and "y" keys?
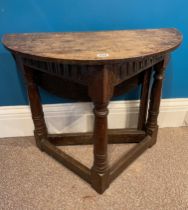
{"x": 84, "y": 15}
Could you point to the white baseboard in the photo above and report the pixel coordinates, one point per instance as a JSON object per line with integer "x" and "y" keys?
{"x": 77, "y": 117}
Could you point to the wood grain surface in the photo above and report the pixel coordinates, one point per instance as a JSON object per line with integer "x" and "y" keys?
{"x": 94, "y": 47}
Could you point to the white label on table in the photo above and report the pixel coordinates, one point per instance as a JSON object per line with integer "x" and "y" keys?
{"x": 102, "y": 55}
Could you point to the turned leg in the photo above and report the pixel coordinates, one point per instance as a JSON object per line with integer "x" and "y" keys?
{"x": 100, "y": 91}
{"x": 40, "y": 131}
{"x": 151, "y": 126}
{"x": 144, "y": 99}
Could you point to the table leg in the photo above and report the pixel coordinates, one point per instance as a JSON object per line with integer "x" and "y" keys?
{"x": 40, "y": 131}
{"x": 144, "y": 99}
{"x": 100, "y": 91}
{"x": 151, "y": 126}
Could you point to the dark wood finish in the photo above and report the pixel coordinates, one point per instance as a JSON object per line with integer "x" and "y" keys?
{"x": 66, "y": 160}
{"x": 81, "y": 74}
{"x": 63, "y": 88}
{"x": 128, "y": 158}
{"x": 151, "y": 126}
{"x": 72, "y": 90}
{"x": 94, "y": 47}
{"x": 40, "y": 131}
{"x": 144, "y": 99}
{"x": 100, "y": 91}
{"x": 95, "y": 66}
{"x": 115, "y": 136}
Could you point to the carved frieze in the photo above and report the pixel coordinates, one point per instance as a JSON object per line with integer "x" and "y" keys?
{"x": 80, "y": 73}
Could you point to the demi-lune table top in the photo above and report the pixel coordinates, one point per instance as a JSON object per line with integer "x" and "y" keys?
{"x": 94, "y": 47}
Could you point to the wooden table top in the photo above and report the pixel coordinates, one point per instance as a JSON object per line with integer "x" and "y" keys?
{"x": 94, "y": 47}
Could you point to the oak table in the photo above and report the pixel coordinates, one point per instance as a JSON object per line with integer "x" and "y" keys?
{"x": 95, "y": 66}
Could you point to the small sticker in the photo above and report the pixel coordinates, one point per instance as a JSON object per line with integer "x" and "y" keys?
{"x": 102, "y": 55}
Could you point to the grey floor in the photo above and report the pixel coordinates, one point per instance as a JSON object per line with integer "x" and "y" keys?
{"x": 158, "y": 180}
